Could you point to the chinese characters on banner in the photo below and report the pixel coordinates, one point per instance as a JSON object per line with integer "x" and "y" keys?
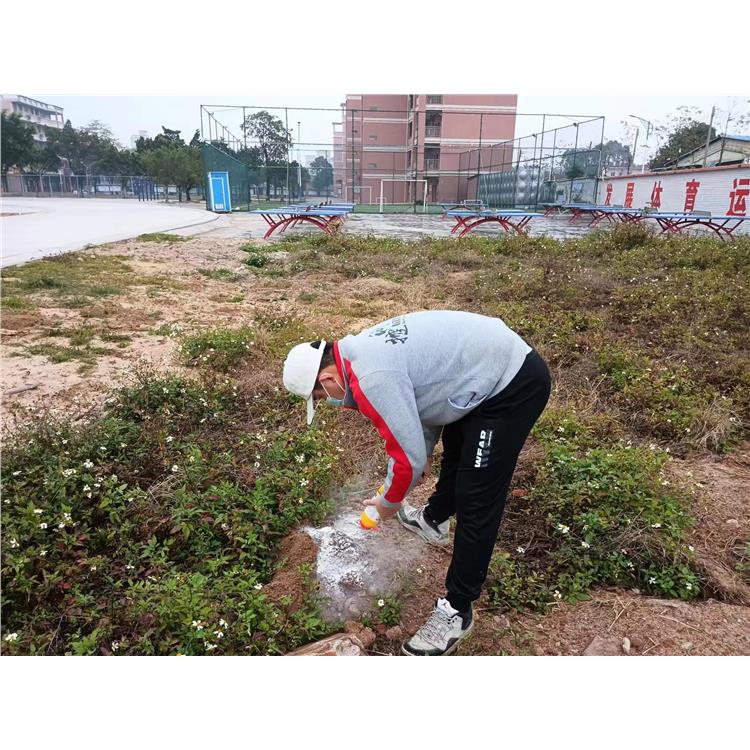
{"x": 691, "y": 192}
{"x": 737, "y": 197}
{"x": 656, "y": 195}
{"x": 629, "y": 188}
{"x": 608, "y": 199}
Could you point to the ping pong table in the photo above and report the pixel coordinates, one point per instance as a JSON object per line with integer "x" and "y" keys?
{"x": 327, "y": 217}
{"x": 674, "y": 222}
{"x": 613, "y": 214}
{"x": 465, "y": 205}
{"x": 553, "y": 208}
{"x": 509, "y": 219}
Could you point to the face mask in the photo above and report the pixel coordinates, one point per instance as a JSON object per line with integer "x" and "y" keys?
{"x": 331, "y": 400}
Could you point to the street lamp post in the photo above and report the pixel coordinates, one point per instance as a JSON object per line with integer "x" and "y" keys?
{"x": 649, "y": 127}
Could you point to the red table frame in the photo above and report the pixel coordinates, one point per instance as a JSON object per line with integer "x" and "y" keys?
{"x": 468, "y": 223}
{"x": 675, "y": 224}
{"x": 329, "y": 224}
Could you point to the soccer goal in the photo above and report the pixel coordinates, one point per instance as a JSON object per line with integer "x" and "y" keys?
{"x": 357, "y": 190}
{"x": 399, "y": 179}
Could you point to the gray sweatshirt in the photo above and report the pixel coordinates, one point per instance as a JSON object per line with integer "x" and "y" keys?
{"x": 415, "y": 373}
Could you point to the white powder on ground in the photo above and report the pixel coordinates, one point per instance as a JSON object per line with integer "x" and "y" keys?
{"x": 354, "y": 565}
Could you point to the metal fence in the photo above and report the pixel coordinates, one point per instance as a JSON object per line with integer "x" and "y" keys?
{"x": 560, "y": 165}
{"x": 402, "y": 160}
{"x": 93, "y": 186}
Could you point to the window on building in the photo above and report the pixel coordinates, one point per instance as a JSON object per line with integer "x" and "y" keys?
{"x": 373, "y": 138}
{"x": 373, "y": 109}
{"x": 372, "y": 166}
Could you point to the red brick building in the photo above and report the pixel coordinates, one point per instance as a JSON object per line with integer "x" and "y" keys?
{"x": 403, "y": 144}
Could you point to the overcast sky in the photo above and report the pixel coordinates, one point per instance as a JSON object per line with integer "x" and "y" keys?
{"x": 126, "y": 115}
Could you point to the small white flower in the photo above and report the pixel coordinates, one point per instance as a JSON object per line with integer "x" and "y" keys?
{"x": 689, "y": 586}
{"x": 14, "y": 543}
{"x": 218, "y": 633}
{"x": 64, "y": 442}
{"x": 11, "y": 637}
{"x": 68, "y": 472}
{"x": 103, "y": 448}
{"x": 16, "y": 473}
{"x": 93, "y": 568}
{"x": 299, "y": 458}
{"x": 655, "y": 525}
{"x": 258, "y": 586}
{"x": 129, "y": 567}
{"x": 209, "y": 646}
{"x": 520, "y": 550}
{"x": 557, "y": 595}
{"x": 257, "y": 465}
{"x": 563, "y": 528}
{"x": 691, "y": 548}
{"x": 42, "y": 525}
{"x": 585, "y": 545}
{"x": 38, "y": 511}
{"x": 223, "y": 623}
{"x": 652, "y": 580}
{"x": 175, "y": 468}
{"x": 419, "y": 570}
{"x": 43, "y": 553}
{"x": 169, "y": 438}
{"x": 381, "y": 603}
{"x": 115, "y": 645}
{"x": 198, "y": 624}
{"x": 303, "y": 482}
{"x": 86, "y": 488}
{"x": 561, "y": 429}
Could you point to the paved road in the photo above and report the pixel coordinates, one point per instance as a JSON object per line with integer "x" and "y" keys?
{"x": 36, "y": 227}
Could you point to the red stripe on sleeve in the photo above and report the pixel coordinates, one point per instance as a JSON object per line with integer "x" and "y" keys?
{"x": 402, "y": 470}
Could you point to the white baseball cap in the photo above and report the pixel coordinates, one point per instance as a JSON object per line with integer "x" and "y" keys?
{"x": 301, "y": 372}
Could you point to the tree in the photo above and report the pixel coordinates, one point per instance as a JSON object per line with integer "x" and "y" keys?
{"x": 681, "y": 134}
{"x": 195, "y": 141}
{"x": 174, "y": 165}
{"x": 188, "y": 169}
{"x": 580, "y": 163}
{"x": 322, "y": 171}
{"x": 274, "y": 142}
{"x": 166, "y": 138}
{"x": 616, "y": 154}
{"x": 17, "y": 146}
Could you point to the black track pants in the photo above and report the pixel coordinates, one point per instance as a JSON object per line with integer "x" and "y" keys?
{"x": 479, "y": 456}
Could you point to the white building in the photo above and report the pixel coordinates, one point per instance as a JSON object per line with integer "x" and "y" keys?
{"x": 729, "y": 149}
{"x": 37, "y": 114}
{"x": 134, "y": 138}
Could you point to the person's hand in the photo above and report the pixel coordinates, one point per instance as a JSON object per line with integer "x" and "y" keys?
{"x": 384, "y": 511}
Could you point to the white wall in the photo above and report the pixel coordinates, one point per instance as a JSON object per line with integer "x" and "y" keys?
{"x": 713, "y": 194}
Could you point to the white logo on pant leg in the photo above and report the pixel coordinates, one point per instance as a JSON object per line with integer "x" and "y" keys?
{"x": 483, "y": 449}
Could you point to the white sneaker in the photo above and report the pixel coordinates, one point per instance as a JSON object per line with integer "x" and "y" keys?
{"x": 414, "y": 520}
{"x": 442, "y": 633}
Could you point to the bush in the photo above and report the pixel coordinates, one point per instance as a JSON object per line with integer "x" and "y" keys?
{"x": 596, "y": 516}
{"x": 153, "y": 529}
{"x": 219, "y": 348}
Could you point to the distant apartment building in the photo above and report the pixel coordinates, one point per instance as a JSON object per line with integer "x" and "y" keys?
{"x": 406, "y": 144}
{"x": 37, "y": 114}
{"x": 136, "y": 137}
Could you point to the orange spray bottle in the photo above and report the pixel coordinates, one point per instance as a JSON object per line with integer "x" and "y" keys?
{"x": 370, "y": 519}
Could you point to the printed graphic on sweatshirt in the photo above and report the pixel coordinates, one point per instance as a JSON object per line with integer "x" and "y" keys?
{"x": 482, "y": 459}
{"x": 394, "y": 331}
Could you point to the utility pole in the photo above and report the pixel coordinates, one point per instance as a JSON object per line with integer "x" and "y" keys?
{"x": 649, "y": 128}
{"x": 708, "y": 136}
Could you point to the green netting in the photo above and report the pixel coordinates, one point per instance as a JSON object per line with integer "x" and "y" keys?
{"x": 216, "y": 160}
